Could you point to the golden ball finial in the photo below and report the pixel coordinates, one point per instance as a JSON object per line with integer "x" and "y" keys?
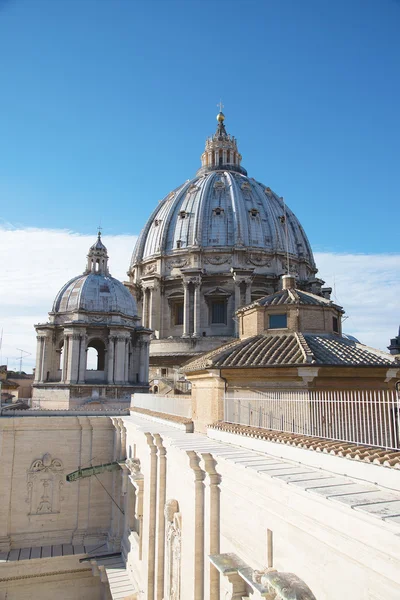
{"x": 220, "y": 117}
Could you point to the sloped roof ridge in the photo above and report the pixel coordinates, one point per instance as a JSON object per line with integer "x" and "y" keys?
{"x": 322, "y": 299}
{"x": 206, "y": 360}
{"x": 304, "y": 347}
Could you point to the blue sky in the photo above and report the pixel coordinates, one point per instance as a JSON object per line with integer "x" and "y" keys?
{"x": 105, "y": 106}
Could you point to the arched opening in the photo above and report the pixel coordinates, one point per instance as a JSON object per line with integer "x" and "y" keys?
{"x": 97, "y": 266}
{"x": 95, "y": 356}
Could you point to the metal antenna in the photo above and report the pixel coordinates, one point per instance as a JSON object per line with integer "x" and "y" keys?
{"x": 286, "y": 236}
{"x": 23, "y": 352}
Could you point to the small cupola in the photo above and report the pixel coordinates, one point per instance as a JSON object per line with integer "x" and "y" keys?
{"x": 221, "y": 151}
{"x": 97, "y": 258}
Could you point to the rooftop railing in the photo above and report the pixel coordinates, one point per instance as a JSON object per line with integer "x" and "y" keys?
{"x": 179, "y": 406}
{"x": 365, "y": 417}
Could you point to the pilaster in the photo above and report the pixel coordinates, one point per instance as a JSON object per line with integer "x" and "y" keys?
{"x": 199, "y": 475}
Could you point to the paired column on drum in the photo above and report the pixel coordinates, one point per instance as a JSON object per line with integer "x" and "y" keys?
{"x": 150, "y": 305}
{"x": 74, "y": 351}
{"x": 144, "y": 358}
{"x": 243, "y": 279}
{"x": 43, "y": 352}
{"x": 191, "y": 302}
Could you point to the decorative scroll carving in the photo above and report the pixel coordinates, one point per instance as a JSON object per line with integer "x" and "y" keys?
{"x": 44, "y": 484}
{"x": 218, "y": 259}
{"x": 173, "y": 550}
{"x": 260, "y": 260}
{"x": 176, "y": 263}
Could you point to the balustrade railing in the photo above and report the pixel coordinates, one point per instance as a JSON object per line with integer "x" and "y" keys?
{"x": 179, "y": 406}
{"x": 366, "y": 417}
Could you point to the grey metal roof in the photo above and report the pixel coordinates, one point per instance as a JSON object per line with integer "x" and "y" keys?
{"x": 95, "y": 292}
{"x": 268, "y": 350}
{"x": 248, "y": 214}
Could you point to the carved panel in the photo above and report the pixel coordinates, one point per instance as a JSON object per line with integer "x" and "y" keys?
{"x": 173, "y": 550}
{"x": 45, "y": 479}
{"x": 148, "y": 269}
{"x": 218, "y": 259}
{"x": 260, "y": 260}
{"x": 293, "y": 268}
{"x": 176, "y": 263}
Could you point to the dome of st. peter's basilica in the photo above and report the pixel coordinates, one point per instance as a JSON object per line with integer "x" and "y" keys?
{"x": 215, "y": 243}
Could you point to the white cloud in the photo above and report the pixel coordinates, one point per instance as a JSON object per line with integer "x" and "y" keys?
{"x": 37, "y": 262}
{"x": 368, "y": 287}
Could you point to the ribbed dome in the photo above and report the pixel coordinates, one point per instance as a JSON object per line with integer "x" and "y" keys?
{"x": 222, "y": 209}
{"x": 95, "y": 292}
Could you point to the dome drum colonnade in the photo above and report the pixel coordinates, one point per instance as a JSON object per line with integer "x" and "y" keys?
{"x": 96, "y": 311}
{"x": 214, "y": 244}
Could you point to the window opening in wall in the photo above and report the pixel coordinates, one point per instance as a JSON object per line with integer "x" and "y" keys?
{"x": 218, "y": 211}
{"x": 97, "y": 266}
{"x": 179, "y": 243}
{"x": 253, "y": 212}
{"x": 278, "y": 321}
{"x": 218, "y": 312}
{"x": 183, "y": 214}
{"x": 163, "y": 372}
{"x": 178, "y": 313}
{"x": 335, "y": 323}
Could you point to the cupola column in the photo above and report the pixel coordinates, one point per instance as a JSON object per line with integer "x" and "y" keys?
{"x": 120, "y": 359}
{"x": 186, "y": 309}
{"x": 40, "y": 370}
{"x": 144, "y": 360}
{"x": 73, "y": 358}
{"x": 82, "y": 359}
{"x": 145, "y": 316}
{"x": 237, "y": 306}
{"x": 65, "y": 357}
{"x": 111, "y": 359}
{"x": 197, "y": 308}
{"x": 150, "y": 309}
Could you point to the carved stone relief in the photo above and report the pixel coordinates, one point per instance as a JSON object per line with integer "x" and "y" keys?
{"x": 260, "y": 260}
{"x": 173, "y": 550}
{"x": 176, "y": 263}
{"x": 218, "y": 259}
{"x": 148, "y": 269}
{"x": 45, "y": 479}
{"x": 96, "y": 319}
{"x": 293, "y": 268}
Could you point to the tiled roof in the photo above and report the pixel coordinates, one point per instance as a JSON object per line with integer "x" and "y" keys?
{"x": 293, "y": 296}
{"x": 267, "y": 350}
{"x": 335, "y": 350}
{"x": 369, "y": 454}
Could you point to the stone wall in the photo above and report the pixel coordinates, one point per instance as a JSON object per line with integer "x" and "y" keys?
{"x": 338, "y": 552}
{"x": 37, "y": 506}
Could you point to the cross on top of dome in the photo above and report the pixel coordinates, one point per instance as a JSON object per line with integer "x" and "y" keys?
{"x": 221, "y": 152}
